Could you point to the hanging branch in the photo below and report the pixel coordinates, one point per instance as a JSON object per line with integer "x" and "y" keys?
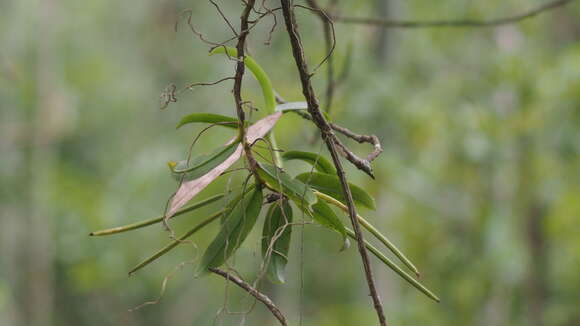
{"x": 254, "y": 292}
{"x": 386, "y": 23}
{"x": 329, "y": 138}
{"x": 329, "y": 43}
{"x": 362, "y": 164}
{"x": 240, "y": 69}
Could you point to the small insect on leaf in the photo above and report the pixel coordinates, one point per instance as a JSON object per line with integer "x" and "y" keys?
{"x": 330, "y": 185}
{"x": 325, "y": 216}
{"x": 187, "y": 190}
{"x": 218, "y": 119}
{"x": 201, "y": 164}
{"x": 285, "y": 184}
{"x": 238, "y": 224}
{"x": 319, "y": 162}
{"x": 276, "y": 239}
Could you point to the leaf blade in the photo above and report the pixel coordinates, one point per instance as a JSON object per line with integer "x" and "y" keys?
{"x": 189, "y": 189}
{"x": 330, "y": 185}
{"x": 201, "y": 164}
{"x": 285, "y": 184}
{"x": 276, "y": 236}
{"x": 221, "y": 120}
{"x": 319, "y": 162}
{"x": 240, "y": 221}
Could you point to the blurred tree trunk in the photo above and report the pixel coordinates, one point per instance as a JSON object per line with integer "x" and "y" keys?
{"x": 38, "y": 276}
{"x": 536, "y": 243}
{"x": 381, "y": 47}
{"x": 532, "y": 211}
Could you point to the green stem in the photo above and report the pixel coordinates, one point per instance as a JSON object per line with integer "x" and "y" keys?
{"x": 267, "y": 92}
{"x": 416, "y": 284}
{"x": 174, "y": 243}
{"x": 138, "y": 225}
{"x": 391, "y": 246}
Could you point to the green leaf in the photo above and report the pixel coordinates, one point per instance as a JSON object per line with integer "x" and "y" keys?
{"x": 200, "y": 165}
{"x": 222, "y": 120}
{"x": 330, "y": 185}
{"x": 416, "y": 284}
{"x": 285, "y": 184}
{"x": 176, "y": 242}
{"x": 325, "y": 216}
{"x": 238, "y": 224}
{"x": 259, "y": 74}
{"x": 276, "y": 239}
{"x": 319, "y": 162}
{"x": 145, "y": 223}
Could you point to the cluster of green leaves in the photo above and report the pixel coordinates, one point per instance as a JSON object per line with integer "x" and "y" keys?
{"x": 313, "y": 193}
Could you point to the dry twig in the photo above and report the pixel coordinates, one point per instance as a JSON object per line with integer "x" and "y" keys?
{"x": 452, "y": 23}
{"x": 328, "y": 137}
{"x": 254, "y": 292}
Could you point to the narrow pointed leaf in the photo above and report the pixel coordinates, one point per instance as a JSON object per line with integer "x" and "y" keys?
{"x": 259, "y": 74}
{"x": 284, "y": 183}
{"x": 175, "y": 243}
{"x": 325, "y": 216}
{"x": 416, "y": 284}
{"x": 221, "y": 120}
{"x": 319, "y": 162}
{"x": 276, "y": 239}
{"x": 145, "y": 223}
{"x": 373, "y": 231}
{"x": 291, "y": 106}
{"x": 189, "y": 189}
{"x": 330, "y": 185}
{"x": 202, "y": 164}
{"x": 235, "y": 229}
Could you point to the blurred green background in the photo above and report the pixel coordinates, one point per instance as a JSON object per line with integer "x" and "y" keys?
{"x": 479, "y": 182}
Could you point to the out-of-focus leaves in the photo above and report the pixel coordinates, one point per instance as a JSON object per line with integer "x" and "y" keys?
{"x": 218, "y": 119}
{"x": 234, "y": 231}
{"x": 319, "y": 162}
{"x": 276, "y": 237}
{"x": 330, "y": 185}
{"x": 201, "y": 164}
{"x": 285, "y": 184}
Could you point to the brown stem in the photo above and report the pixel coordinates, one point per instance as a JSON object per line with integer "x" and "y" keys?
{"x": 328, "y": 137}
{"x": 361, "y": 164}
{"x": 240, "y": 69}
{"x": 327, "y": 24}
{"x": 254, "y": 292}
{"x": 452, "y": 23}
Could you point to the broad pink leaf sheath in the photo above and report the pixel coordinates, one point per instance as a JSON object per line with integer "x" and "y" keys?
{"x": 187, "y": 190}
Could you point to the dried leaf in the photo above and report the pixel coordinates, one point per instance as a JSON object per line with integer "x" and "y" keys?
{"x": 189, "y": 189}
{"x": 201, "y": 164}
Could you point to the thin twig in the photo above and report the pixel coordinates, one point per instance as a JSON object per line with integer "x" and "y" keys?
{"x": 328, "y": 136}
{"x": 362, "y": 164}
{"x": 240, "y": 69}
{"x": 327, "y": 24}
{"x": 386, "y": 23}
{"x": 254, "y": 292}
